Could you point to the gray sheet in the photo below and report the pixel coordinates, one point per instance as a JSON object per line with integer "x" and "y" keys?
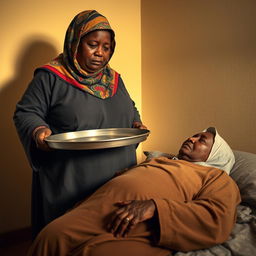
{"x": 241, "y": 242}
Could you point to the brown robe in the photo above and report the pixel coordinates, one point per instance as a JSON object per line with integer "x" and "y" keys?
{"x": 196, "y": 208}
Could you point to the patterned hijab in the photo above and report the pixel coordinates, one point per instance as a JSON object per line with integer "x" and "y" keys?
{"x": 103, "y": 83}
{"x": 221, "y": 155}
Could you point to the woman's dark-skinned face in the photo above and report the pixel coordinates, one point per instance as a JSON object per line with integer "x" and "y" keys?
{"x": 197, "y": 148}
{"x": 94, "y": 51}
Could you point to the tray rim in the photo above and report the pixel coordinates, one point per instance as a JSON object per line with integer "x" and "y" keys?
{"x": 110, "y": 143}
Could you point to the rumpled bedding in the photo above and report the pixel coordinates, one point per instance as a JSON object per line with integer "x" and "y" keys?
{"x": 241, "y": 242}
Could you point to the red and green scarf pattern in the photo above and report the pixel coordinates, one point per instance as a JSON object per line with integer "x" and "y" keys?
{"x": 102, "y": 84}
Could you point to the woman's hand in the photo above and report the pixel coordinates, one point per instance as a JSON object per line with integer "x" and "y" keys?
{"x": 39, "y": 137}
{"x": 129, "y": 215}
{"x": 139, "y": 125}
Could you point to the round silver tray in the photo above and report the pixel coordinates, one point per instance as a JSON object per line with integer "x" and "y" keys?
{"x": 97, "y": 139}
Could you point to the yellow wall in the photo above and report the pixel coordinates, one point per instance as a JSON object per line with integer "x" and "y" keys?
{"x": 199, "y": 70}
{"x": 32, "y": 33}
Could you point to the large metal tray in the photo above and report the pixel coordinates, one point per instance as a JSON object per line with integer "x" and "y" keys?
{"x": 97, "y": 139}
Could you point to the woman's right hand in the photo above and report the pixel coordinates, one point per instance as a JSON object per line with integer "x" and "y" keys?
{"x": 39, "y": 137}
{"x": 129, "y": 214}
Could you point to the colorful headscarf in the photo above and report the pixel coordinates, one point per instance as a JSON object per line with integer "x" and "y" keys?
{"x": 221, "y": 155}
{"x": 103, "y": 83}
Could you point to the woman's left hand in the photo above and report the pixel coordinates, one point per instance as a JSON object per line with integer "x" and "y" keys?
{"x": 139, "y": 125}
{"x": 129, "y": 215}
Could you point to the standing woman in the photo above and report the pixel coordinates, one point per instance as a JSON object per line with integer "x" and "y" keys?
{"x": 76, "y": 91}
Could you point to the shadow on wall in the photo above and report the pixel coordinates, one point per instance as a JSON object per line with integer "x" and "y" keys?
{"x": 15, "y": 181}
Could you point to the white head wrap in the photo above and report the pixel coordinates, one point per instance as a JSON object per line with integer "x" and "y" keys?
{"x": 221, "y": 155}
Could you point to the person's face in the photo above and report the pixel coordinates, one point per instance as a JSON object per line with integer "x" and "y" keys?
{"x": 197, "y": 148}
{"x": 94, "y": 51}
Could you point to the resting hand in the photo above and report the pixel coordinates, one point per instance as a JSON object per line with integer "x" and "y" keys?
{"x": 129, "y": 215}
{"x": 39, "y": 136}
{"x": 139, "y": 125}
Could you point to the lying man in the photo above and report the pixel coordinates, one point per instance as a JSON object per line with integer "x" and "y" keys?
{"x": 163, "y": 205}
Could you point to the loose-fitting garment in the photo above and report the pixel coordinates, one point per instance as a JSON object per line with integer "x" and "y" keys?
{"x": 196, "y": 208}
{"x": 63, "y": 177}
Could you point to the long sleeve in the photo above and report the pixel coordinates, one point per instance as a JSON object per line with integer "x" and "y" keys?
{"x": 135, "y": 110}
{"x": 31, "y": 111}
{"x": 136, "y": 114}
{"x": 205, "y": 221}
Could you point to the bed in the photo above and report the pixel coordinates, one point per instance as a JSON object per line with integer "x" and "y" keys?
{"x": 242, "y": 240}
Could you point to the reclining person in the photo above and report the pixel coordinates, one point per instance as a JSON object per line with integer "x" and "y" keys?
{"x": 162, "y": 205}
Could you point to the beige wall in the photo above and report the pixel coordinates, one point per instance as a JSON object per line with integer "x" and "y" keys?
{"x": 32, "y": 33}
{"x": 199, "y": 70}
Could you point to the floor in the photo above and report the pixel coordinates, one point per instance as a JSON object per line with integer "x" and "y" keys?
{"x": 15, "y": 243}
{"x": 17, "y": 249}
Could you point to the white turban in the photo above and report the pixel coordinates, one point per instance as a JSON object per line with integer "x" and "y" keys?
{"x": 221, "y": 155}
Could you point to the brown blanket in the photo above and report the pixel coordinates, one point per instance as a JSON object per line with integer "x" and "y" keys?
{"x": 196, "y": 208}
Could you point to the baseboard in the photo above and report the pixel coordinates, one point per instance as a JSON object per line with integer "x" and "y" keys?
{"x": 15, "y": 236}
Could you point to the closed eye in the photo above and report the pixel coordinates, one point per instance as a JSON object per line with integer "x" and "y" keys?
{"x": 203, "y": 139}
{"x": 92, "y": 45}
